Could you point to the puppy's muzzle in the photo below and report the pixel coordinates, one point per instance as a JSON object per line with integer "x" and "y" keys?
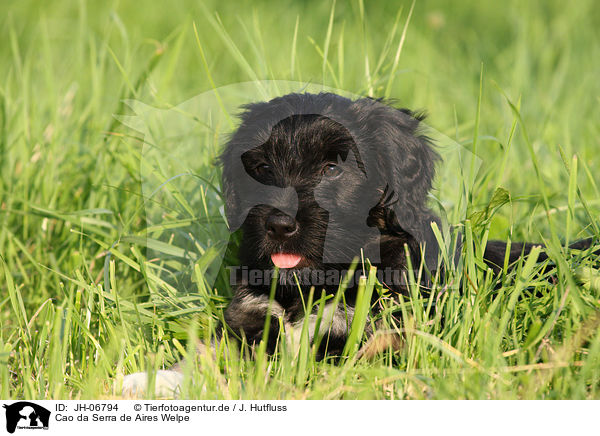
{"x": 281, "y": 226}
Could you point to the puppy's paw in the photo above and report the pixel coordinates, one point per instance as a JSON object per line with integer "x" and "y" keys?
{"x": 380, "y": 342}
{"x": 167, "y": 384}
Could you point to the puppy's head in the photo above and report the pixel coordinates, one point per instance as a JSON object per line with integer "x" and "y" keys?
{"x": 313, "y": 179}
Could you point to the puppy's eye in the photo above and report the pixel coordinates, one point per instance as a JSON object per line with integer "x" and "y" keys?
{"x": 262, "y": 169}
{"x": 332, "y": 171}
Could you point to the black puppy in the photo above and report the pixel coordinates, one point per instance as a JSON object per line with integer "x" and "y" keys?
{"x": 314, "y": 181}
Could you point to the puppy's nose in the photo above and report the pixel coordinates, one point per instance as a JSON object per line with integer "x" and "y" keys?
{"x": 281, "y": 226}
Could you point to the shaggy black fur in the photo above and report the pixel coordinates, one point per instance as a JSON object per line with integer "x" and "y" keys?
{"x": 322, "y": 177}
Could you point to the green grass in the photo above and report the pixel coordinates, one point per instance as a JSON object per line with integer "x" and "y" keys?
{"x": 516, "y": 85}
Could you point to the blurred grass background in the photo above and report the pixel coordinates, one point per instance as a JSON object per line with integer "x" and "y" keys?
{"x": 70, "y": 185}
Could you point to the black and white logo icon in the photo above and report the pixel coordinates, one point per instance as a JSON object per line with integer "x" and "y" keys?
{"x": 26, "y": 415}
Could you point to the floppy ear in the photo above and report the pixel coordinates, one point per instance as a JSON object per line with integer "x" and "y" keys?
{"x": 231, "y": 166}
{"x": 234, "y": 180}
{"x": 408, "y": 161}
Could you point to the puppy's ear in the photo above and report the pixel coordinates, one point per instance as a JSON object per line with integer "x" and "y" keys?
{"x": 231, "y": 165}
{"x": 235, "y": 181}
{"x": 407, "y": 160}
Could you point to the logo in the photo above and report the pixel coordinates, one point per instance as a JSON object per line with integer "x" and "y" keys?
{"x": 26, "y": 415}
{"x": 179, "y": 179}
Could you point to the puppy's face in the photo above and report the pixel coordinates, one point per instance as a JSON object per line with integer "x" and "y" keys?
{"x": 308, "y": 179}
{"x": 310, "y": 158}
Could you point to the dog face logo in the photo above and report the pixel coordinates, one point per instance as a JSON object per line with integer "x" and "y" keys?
{"x": 26, "y": 415}
{"x": 313, "y": 178}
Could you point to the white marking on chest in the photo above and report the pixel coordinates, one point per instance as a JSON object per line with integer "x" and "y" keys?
{"x": 261, "y": 303}
{"x": 335, "y": 321}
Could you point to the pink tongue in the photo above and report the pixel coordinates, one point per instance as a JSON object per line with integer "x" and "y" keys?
{"x": 285, "y": 260}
